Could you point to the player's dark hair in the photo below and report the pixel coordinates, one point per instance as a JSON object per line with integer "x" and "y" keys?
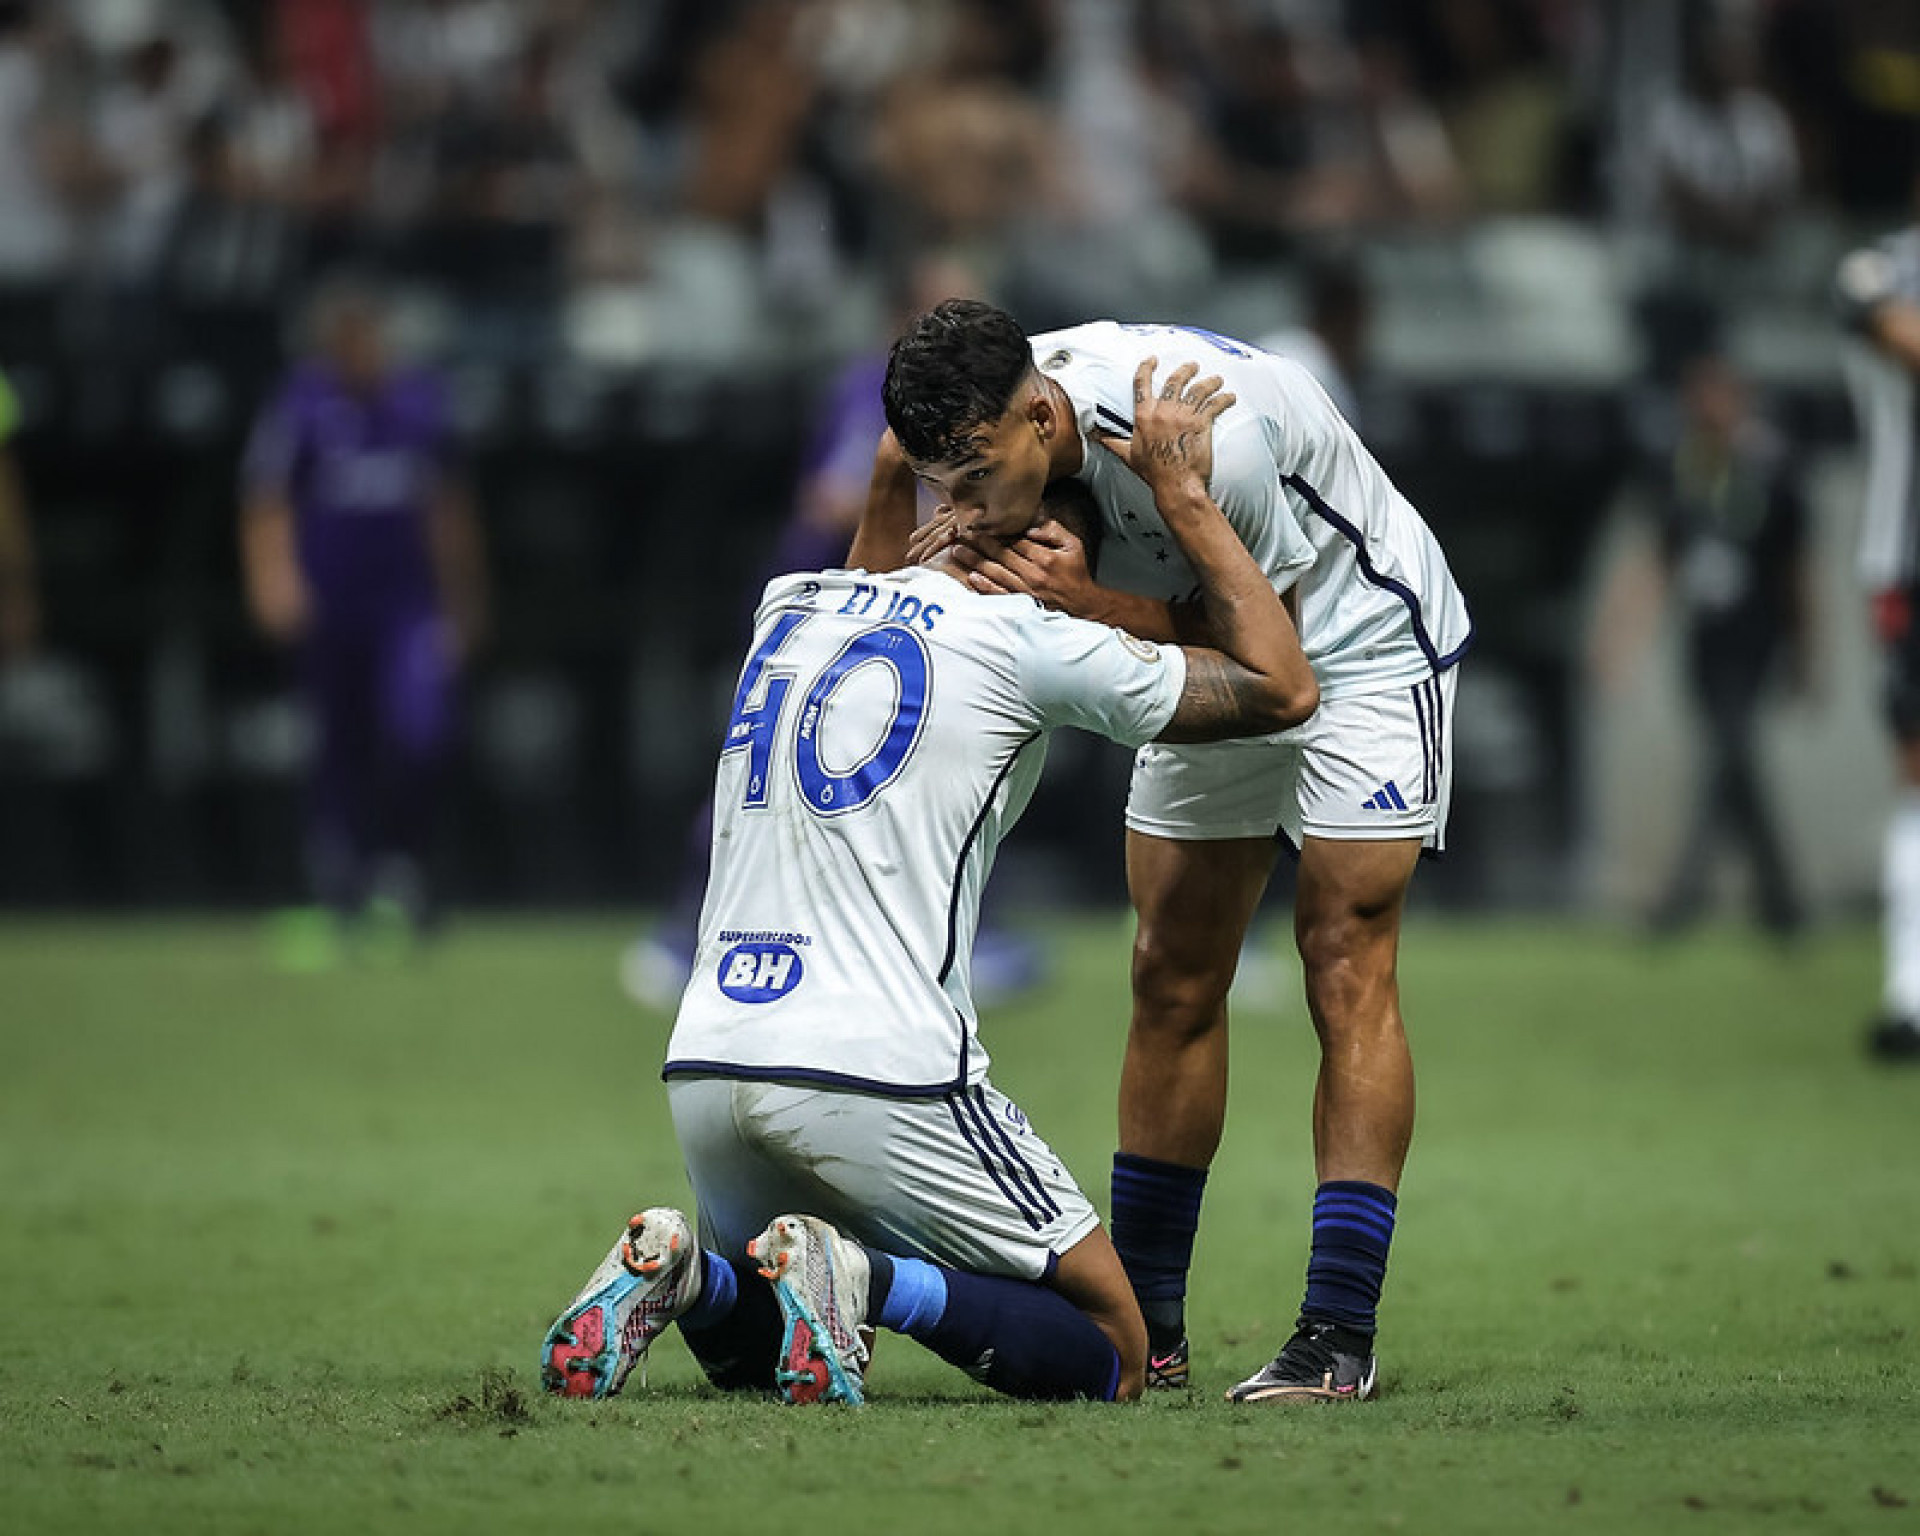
{"x": 1071, "y": 504}
{"x": 953, "y": 370}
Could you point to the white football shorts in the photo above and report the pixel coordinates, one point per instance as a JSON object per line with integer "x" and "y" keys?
{"x": 1371, "y": 766}
{"x": 962, "y": 1180}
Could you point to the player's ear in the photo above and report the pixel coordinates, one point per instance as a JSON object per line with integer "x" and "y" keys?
{"x": 1041, "y": 414}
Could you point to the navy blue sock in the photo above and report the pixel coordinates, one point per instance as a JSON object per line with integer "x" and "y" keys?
{"x": 1156, "y": 1212}
{"x": 734, "y": 1329}
{"x": 719, "y": 1292}
{"x": 1352, "y": 1231}
{"x": 1015, "y": 1336}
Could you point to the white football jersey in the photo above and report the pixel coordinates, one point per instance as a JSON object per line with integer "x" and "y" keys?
{"x": 886, "y": 733}
{"x": 1378, "y": 606}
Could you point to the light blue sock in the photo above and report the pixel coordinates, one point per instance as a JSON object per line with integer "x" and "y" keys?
{"x": 916, "y": 1299}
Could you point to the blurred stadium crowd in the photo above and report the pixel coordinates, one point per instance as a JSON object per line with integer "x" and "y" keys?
{"x": 638, "y": 236}
{"x": 709, "y": 178}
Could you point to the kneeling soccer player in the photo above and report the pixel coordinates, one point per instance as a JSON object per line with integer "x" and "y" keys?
{"x": 827, "y": 1084}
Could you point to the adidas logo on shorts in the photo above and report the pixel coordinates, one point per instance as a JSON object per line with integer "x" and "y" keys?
{"x": 1386, "y": 798}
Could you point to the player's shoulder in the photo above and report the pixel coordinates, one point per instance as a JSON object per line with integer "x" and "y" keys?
{"x": 1124, "y": 342}
{"x": 1091, "y": 359}
{"x": 1279, "y": 406}
{"x": 908, "y": 596}
{"x": 1261, "y": 379}
{"x": 1036, "y": 631}
{"x": 1289, "y": 361}
{"x": 801, "y": 588}
{"x": 1080, "y": 664}
{"x": 1089, "y": 339}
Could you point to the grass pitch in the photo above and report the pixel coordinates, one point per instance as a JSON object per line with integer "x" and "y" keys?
{"x": 279, "y": 1251}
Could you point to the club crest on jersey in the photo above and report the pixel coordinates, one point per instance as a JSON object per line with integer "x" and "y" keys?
{"x": 1146, "y": 650}
{"x": 760, "y": 972}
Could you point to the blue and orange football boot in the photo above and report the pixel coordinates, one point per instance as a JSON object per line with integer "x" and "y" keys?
{"x": 651, "y": 1276}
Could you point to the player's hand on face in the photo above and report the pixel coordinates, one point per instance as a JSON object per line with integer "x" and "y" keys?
{"x": 1047, "y": 563}
{"x": 1172, "y": 438}
{"x": 931, "y": 537}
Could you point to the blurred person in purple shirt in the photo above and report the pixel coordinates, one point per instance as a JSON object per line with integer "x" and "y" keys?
{"x": 361, "y": 553}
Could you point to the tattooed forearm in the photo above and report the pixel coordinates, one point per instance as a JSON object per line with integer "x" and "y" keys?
{"x": 1216, "y": 700}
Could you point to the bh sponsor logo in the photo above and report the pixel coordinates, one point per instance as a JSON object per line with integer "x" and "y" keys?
{"x": 760, "y": 972}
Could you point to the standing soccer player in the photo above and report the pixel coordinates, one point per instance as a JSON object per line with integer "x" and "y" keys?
{"x": 360, "y": 548}
{"x": 887, "y": 731}
{"x": 1878, "y": 291}
{"x": 987, "y": 418}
